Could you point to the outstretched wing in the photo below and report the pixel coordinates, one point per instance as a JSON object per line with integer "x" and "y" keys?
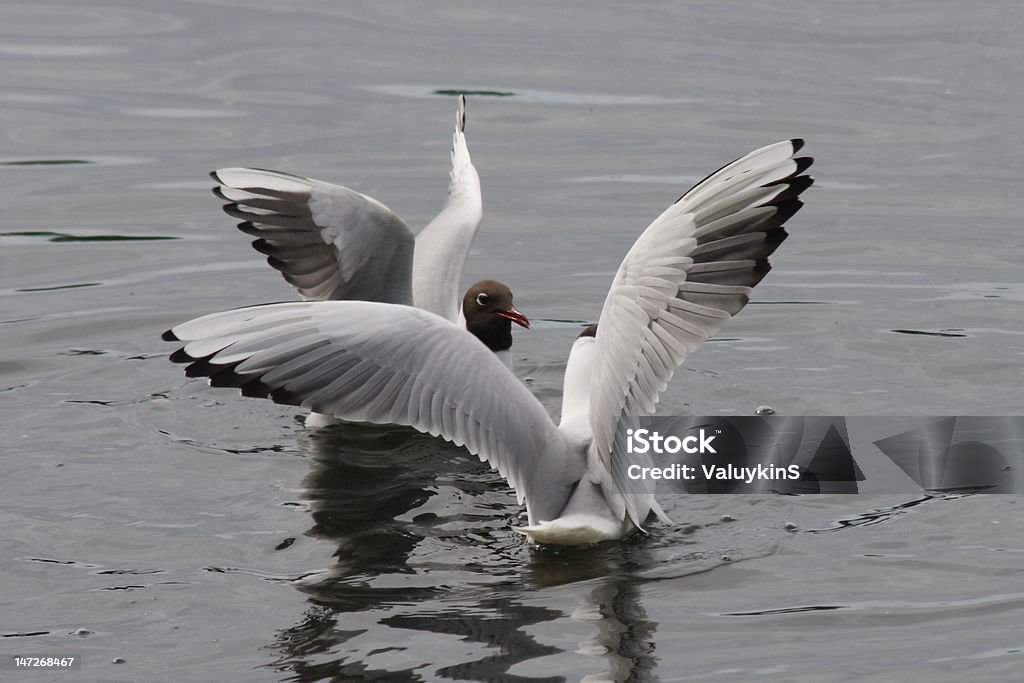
{"x": 329, "y": 242}
{"x": 689, "y": 272}
{"x": 387, "y": 364}
{"x": 442, "y": 246}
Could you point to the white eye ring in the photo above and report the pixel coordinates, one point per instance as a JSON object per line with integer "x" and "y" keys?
{"x": 482, "y": 299}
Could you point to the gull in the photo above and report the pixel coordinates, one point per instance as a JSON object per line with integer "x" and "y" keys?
{"x": 688, "y": 273}
{"x": 333, "y": 243}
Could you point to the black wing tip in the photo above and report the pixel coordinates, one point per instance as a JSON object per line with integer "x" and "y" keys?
{"x": 254, "y": 388}
{"x": 201, "y": 367}
{"x": 169, "y": 336}
{"x": 264, "y": 247}
{"x": 773, "y": 238}
{"x": 788, "y": 209}
{"x": 796, "y": 185}
{"x": 235, "y": 210}
{"x": 802, "y": 164}
{"x": 271, "y": 249}
{"x": 797, "y": 143}
{"x": 284, "y": 396}
{"x": 219, "y": 374}
{"x": 227, "y": 377}
{"x": 761, "y": 268}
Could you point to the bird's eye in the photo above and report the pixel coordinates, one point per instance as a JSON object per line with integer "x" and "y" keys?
{"x": 482, "y": 299}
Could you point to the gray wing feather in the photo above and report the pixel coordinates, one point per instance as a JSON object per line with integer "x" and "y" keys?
{"x": 328, "y": 242}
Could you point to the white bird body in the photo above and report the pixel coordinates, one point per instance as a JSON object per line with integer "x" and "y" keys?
{"x": 686, "y": 275}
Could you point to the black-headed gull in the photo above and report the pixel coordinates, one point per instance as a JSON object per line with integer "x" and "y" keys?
{"x": 689, "y": 272}
{"x": 333, "y": 243}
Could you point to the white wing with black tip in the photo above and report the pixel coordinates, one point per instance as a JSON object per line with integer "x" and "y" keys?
{"x": 387, "y": 364}
{"x": 689, "y": 272}
{"x": 329, "y": 242}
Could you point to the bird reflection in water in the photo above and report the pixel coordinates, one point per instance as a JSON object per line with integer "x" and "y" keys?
{"x": 425, "y": 547}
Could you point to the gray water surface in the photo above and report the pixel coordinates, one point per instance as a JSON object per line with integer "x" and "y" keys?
{"x": 200, "y": 536}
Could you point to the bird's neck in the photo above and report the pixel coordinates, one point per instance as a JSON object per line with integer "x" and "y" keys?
{"x": 496, "y": 334}
{"x": 579, "y": 370}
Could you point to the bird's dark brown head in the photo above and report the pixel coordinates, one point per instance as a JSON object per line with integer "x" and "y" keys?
{"x": 489, "y": 314}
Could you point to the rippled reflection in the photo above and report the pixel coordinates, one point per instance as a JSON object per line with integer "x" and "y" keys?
{"x": 425, "y": 549}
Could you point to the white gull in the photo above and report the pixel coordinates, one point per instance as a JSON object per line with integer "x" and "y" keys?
{"x": 687, "y": 274}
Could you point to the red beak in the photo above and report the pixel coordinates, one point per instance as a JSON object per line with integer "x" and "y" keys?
{"x": 516, "y": 317}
